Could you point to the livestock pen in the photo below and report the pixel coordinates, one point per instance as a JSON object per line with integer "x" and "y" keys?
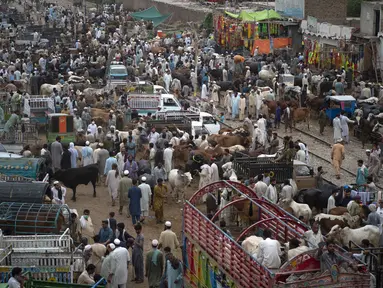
{"x": 36, "y": 219}
{"x": 43, "y": 257}
{"x": 212, "y": 257}
{"x": 24, "y": 192}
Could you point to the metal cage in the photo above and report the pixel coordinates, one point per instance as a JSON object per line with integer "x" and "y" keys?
{"x": 24, "y": 192}
{"x": 35, "y": 219}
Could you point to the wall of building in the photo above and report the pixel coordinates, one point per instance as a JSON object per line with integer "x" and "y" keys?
{"x": 334, "y": 12}
{"x": 184, "y": 14}
{"x": 367, "y": 15}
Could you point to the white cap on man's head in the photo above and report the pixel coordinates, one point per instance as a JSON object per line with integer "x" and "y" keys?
{"x": 112, "y": 246}
{"x": 117, "y": 242}
{"x": 87, "y": 247}
{"x": 56, "y": 182}
{"x": 155, "y": 242}
{"x": 126, "y": 172}
{"x": 143, "y": 179}
{"x": 87, "y": 143}
{"x": 168, "y": 224}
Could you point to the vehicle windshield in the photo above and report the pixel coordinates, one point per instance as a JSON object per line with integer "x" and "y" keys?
{"x": 287, "y": 78}
{"x": 118, "y": 77}
{"x": 118, "y": 71}
{"x": 2, "y": 149}
{"x": 169, "y": 102}
{"x": 208, "y": 120}
{"x": 302, "y": 170}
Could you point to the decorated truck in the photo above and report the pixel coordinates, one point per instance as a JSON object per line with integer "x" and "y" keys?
{"x": 213, "y": 258}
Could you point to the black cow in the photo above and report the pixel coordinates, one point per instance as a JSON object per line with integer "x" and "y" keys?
{"x": 73, "y": 177}
{"x": 318, "y": 197}
{"x": 325, "y": 87}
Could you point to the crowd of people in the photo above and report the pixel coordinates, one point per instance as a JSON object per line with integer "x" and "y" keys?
{"x": 134, "y": 165}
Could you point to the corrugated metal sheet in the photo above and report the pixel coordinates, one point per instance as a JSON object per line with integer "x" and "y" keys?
{"x": 22, "y": 192}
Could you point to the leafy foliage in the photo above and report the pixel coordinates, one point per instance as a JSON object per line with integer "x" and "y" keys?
{"x": 353, "y": 8}
{"x": 208, "y": 23}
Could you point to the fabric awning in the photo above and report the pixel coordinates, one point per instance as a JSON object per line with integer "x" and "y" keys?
{"x": 256, "y": 16}
{"x": 151, "y": 14}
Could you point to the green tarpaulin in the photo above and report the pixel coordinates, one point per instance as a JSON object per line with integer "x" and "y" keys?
{"x": 151, "y": 14}
{"x": 249, "y": 16}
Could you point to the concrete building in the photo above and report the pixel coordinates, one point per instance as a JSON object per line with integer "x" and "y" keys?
{"x": 371, "y": 34}
{"x": 370, "y": 18}
{"x": 334, "y": 12}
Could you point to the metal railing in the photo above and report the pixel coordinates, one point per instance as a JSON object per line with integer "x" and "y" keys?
{"x": 374, "y": 264}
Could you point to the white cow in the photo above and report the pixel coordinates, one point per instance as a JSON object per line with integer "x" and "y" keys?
{"x": 299, "y": 209}
{"x": 205, "y": 178}
{"x": 178, "y": 182}
{"x": 235, "y": 148}
{"x": 345, "y": 235}
{"x": 47, "y": 89}
{"x": 251, "y": 245}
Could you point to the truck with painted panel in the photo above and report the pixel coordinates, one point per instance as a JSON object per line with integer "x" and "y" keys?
{"x": 152, "y": 103}
{"x": 212, "y": 258}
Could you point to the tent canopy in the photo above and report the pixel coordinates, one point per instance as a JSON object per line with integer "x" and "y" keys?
{"x": 151, "y": 14}
{"x": 250, "y": 16}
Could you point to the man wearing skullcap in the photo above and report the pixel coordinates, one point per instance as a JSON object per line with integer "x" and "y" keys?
{"x": 373, "y": 218}
{"x": 146, "y": 193}
{"x": 154, "y": 265}
{"x": 168, "y": 238}
{"x": 123, "y": 190}
{"x": 99, "y": 156}
{"x": 89, "y": 136}
{"x": 337, "y": 156}
{"x": 87, "y": 154}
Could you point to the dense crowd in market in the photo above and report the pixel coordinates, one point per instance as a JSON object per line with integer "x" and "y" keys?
{"x": 143, "y": 167}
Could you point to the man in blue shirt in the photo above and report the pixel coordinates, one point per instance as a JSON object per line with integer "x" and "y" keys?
{"x": 106, "y": 233}
{"x": 135, "y": 195}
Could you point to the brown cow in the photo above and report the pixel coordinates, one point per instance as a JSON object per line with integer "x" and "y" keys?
{"x": 272, "y": 105}
{"x": 228, "y": 140}
{"x": 100, "y": 113}
{"x": 248, "y": 213}
{"x": 314, "y": 103}
{"x": 156, "y": 50}
{"x": 301, "y": 114}
{"x": 338, "y": 210}
{"x": 327, "y": 221}
{"x": 181, "y": 154}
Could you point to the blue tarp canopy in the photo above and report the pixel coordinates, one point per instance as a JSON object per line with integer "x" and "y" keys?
{"x": 151, "y": 14}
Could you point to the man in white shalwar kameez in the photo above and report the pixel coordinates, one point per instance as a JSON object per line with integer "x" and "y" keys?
{"x": 204, "y": 92}
{"x": 242, "y": 108}
{"x": 225, "y": 199}
{"x": 118, "y": 273}
{"x": 168, "y": 80}
{"x": 227, "y": 103}
{"x": 146, "y": 193}
{"x": 258, "y": 103}
{"x": 258, "y": 138}
{"x": 205, "y": 178}
{"x": 152, "y": 155}
{"x": 120, "y": 160}
{"x": 168, "y": 158}
{"x": 262, "y": 125}
{"x": 344, "y": 120}
{"x": 215, "y": 174}
{"x": 215, "y": 93}
{"x": 337, "y": 128}
{"x": 304, "y": 148}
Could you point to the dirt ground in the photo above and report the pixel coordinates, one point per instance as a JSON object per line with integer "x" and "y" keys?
{"x": 101, "y": 205}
